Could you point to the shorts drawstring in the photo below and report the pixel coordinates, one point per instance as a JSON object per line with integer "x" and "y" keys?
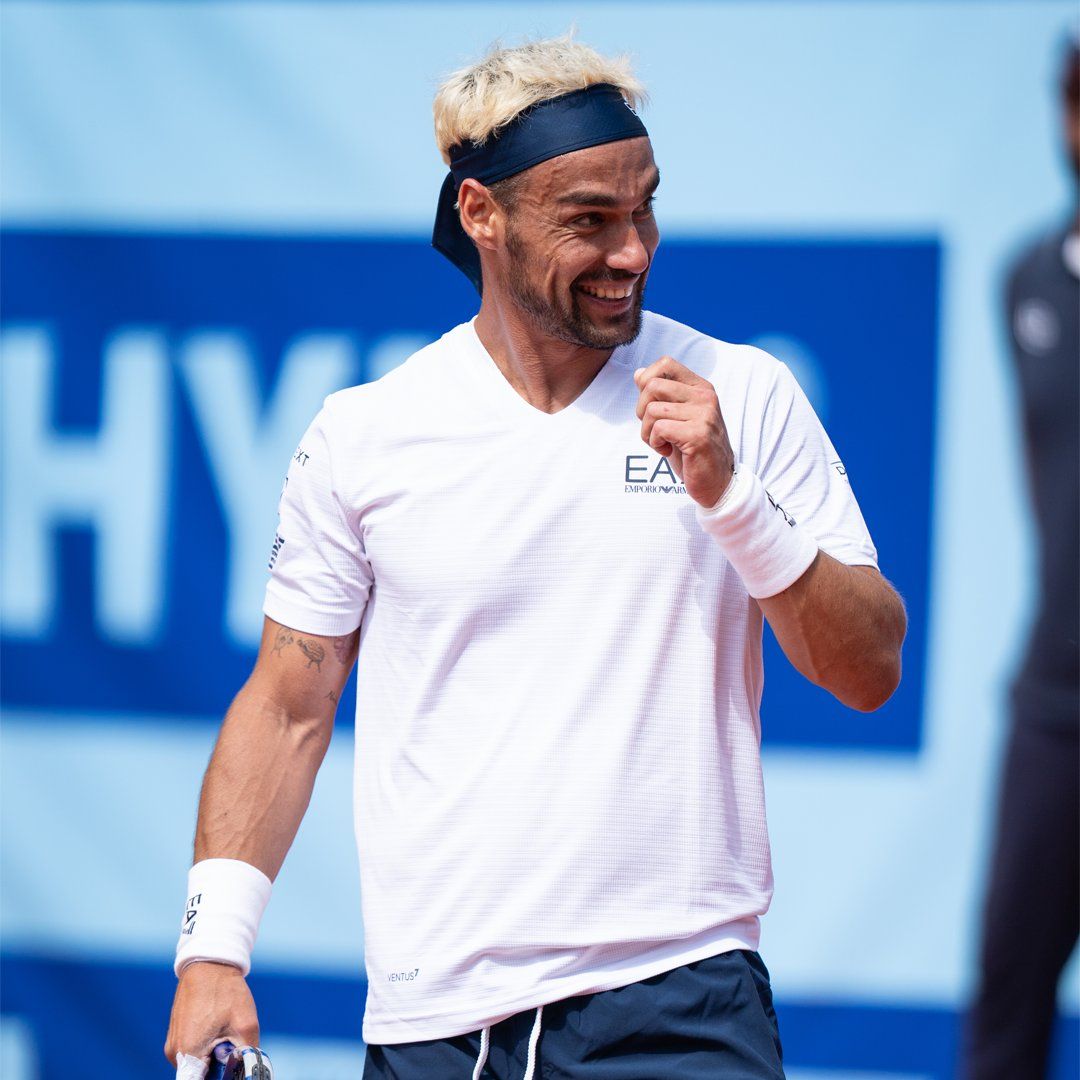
{"x": 481, "y": 1061}
{"x": 534, "y": 1040}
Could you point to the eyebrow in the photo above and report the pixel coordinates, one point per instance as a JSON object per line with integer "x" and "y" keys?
{"x": 585, "y": 197}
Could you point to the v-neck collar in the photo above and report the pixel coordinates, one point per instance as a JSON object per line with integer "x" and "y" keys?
{"x": 501, "y": 393}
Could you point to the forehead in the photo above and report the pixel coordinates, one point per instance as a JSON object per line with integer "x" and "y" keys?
{"x": 623, "y": 170}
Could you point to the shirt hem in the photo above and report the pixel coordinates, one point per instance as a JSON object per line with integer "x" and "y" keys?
{"x": 741, "y": 934}
{"x": 305, "y": 620}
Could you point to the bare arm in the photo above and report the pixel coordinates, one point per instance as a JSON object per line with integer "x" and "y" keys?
{"x": 257, "y": 787}
{"x": 842, "y": 627}
{"x": 262, "y": 772}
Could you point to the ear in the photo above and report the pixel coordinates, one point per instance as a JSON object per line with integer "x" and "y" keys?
{"x": 481, "y": 216}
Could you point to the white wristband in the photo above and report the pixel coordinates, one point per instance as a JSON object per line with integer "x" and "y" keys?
{"x": 226, "y": 901}
{"x": 765, "y": 546}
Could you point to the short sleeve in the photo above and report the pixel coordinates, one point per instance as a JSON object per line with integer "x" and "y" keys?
{"x": 803, "y": 473}
{"x": 319, "y": 574}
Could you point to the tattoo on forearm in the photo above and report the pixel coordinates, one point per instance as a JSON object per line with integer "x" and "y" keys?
{"x": 331, "y": 696}
{"x": 341, "y": 648}
{"x": 283, "y": 638}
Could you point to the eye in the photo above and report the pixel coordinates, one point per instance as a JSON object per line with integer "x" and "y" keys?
{"x": 647, "y": 207}
{"x": 587, "y": 221}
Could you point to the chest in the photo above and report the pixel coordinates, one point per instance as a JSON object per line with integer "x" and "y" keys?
{"x": 522, "y": 513}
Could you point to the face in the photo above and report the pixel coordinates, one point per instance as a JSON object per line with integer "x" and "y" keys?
{"x": 579, "y": 241}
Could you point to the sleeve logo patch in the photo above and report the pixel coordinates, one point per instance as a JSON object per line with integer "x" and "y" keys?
{"x": 279, "y": 543}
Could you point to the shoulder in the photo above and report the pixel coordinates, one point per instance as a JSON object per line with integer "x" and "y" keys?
{"x": 417, "y": 382}
{"x": 710, "y": 357}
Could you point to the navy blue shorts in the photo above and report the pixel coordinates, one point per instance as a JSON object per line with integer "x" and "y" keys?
{"x": 710, "y": 1019}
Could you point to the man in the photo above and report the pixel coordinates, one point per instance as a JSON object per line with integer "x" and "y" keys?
{"x": 1032, "y": 902}
{"x": 552, "y": 529}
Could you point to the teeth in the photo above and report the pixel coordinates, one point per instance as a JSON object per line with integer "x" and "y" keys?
{"x": 608, "y": 294}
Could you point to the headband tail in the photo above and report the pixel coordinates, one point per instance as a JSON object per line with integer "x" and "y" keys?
{"x": 451, "y": 240}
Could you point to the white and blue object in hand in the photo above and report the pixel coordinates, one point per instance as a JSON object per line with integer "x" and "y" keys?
{"x": 240, "y": 1063}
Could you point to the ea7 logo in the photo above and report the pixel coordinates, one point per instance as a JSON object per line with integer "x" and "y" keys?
{"x": 641, "y": 476}
{"x": 640, "y": 471}
{"x": 780, "y": 510}
{"x": 190, "y": 912}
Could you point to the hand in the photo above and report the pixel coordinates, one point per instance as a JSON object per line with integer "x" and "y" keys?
{"x": 680, "y": 419}
{"x": 212, "y": 1003}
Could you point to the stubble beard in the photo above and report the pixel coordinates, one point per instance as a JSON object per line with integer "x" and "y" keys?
{"x": 570, "y": 324}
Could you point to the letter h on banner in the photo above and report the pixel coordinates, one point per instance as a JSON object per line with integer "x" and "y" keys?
{"x": 115, "y": 481}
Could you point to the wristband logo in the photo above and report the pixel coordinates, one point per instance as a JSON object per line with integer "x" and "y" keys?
{"x": 188, "y": 925}
{"x": 776, "y": 506}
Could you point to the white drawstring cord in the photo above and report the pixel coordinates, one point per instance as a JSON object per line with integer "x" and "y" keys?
{"x": 485, "y": 1046}
{"x": 534, "y": 1038}
{"x": 481, "y": 1061}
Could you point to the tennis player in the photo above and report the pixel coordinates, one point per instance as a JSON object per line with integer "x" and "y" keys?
{"x": 553, "y": 535}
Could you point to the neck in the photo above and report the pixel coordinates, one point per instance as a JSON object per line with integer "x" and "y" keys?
{"x": 548, "y": 373}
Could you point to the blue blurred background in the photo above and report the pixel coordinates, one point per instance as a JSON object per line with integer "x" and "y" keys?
{"x": 216, "y": 213}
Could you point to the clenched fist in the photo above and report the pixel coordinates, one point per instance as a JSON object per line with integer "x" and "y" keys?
{"x": 680, "y": 419}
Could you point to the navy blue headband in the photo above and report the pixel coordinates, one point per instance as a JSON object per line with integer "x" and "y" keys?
{"x": 598, "y": 114}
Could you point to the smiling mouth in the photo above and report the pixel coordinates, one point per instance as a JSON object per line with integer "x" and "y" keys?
{"x": 609, "y": 292}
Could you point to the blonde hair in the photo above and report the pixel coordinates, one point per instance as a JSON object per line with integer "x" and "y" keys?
{"x": 475, "y": 102}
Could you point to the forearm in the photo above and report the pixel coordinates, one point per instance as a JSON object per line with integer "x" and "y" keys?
{"x": 842, "y": 627}
{"x": 255, "y": 793}
{"x": 259, "y": 781}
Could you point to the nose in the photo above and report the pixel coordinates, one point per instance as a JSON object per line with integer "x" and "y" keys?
{"x": 631, "y": 255}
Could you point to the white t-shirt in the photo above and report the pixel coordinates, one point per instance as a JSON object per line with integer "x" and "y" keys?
{"x": 558, "y": 786}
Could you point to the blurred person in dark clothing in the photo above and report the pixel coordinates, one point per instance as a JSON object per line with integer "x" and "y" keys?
{"x": 1032, "y": 904}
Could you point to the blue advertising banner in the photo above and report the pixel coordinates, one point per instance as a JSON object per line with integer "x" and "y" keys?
{"x": 154, "y": 386}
